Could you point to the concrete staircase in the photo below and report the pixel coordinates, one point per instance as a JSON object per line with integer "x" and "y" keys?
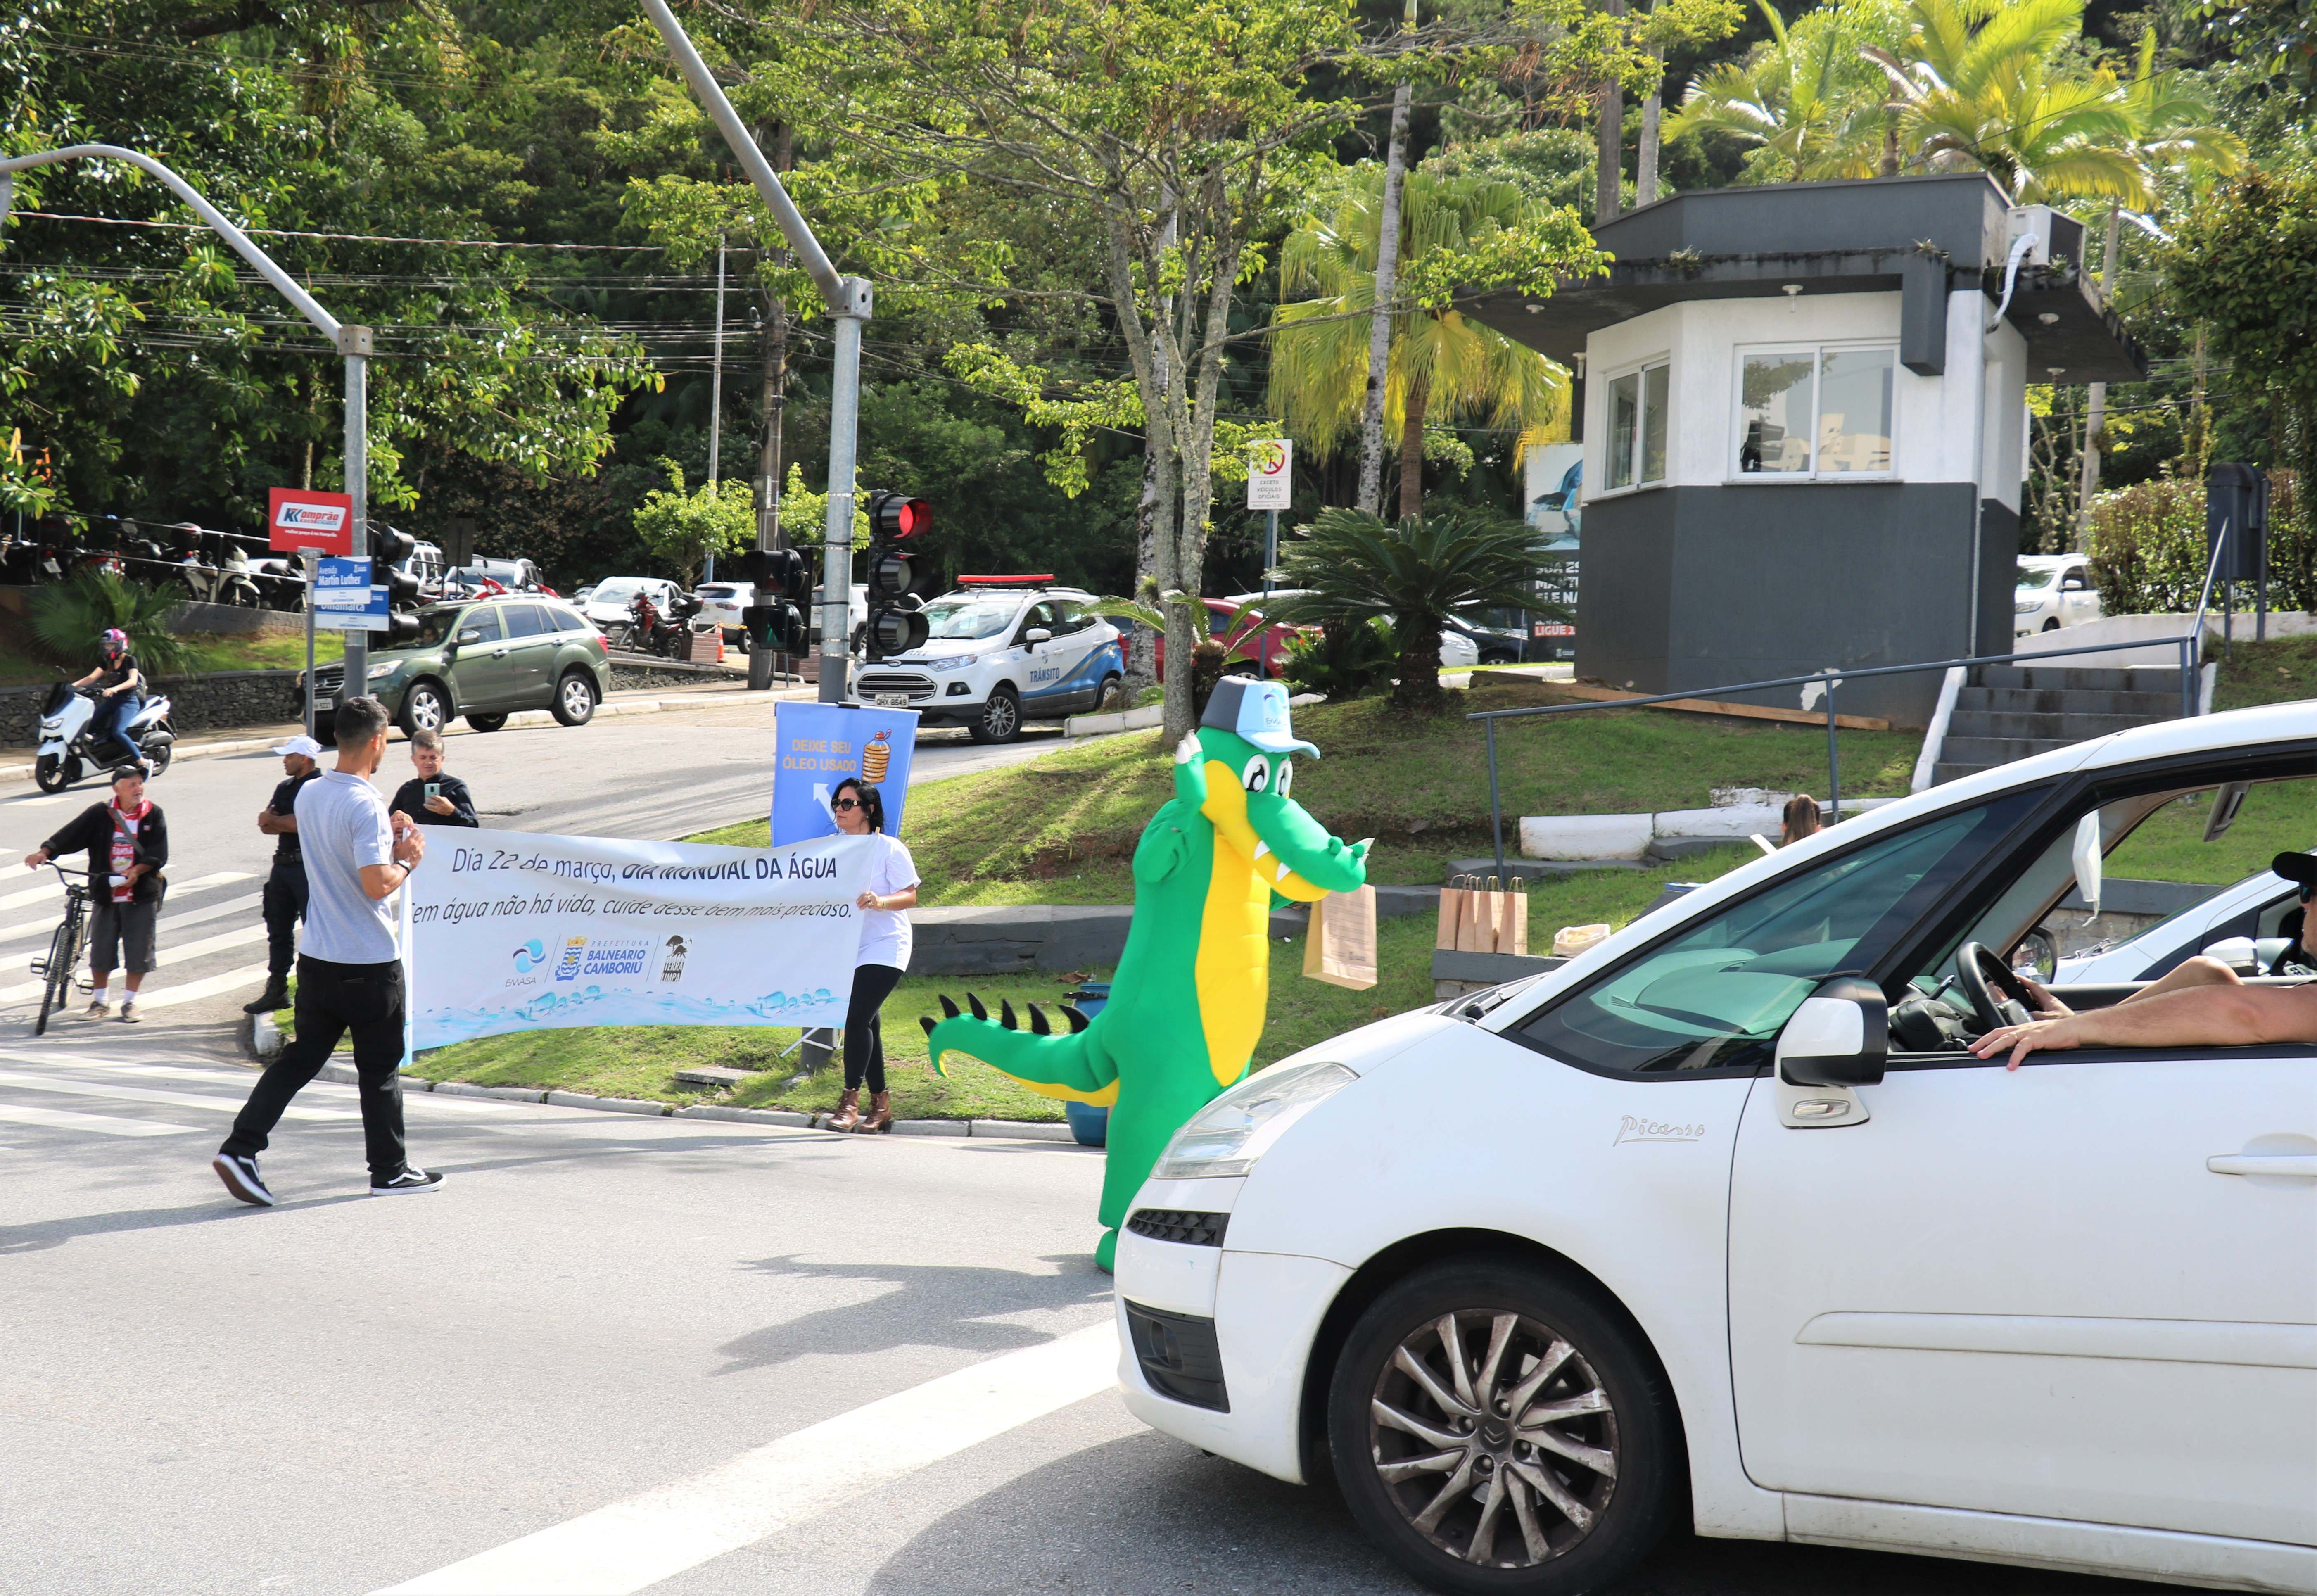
{"x": 2009, "y": 711}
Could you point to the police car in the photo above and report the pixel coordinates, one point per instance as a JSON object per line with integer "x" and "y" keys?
{"x": 1001, "y": 651}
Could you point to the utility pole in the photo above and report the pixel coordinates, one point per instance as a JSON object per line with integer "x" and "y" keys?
{"x": 351, "y": 343}
{"x": 850, "y": 303}
{"x": 716, "y": 395}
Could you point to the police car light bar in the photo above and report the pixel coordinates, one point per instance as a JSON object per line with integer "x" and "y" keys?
{"x": 1020, "y": 581}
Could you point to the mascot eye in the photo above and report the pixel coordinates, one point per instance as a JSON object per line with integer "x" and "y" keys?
{"x": 1286, "y": 775}
{"x": 1257, "y": 775}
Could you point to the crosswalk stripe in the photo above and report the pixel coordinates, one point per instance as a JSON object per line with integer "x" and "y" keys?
{"x": 51, "y": 888}
{"x": 147, "y": 1094}
{"x": 231, "y": 1079}
{"x": 170, "y": 919}
{"x": 207, "y": 987}
{"x": 102, "y": 1125}
{"x": 26, "y": 989}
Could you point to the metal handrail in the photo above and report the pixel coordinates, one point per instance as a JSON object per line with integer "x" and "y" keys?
{"x": 2188, "y": 644}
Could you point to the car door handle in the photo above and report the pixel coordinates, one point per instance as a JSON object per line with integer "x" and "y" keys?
{"x": 499, "y": 653}
{"x": 2304, "y": 1164}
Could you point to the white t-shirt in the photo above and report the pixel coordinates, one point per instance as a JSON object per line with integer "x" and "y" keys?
{"x": 885, "y": 935}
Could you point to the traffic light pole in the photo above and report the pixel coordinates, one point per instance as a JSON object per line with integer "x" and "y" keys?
{"x": 849, "y": 303}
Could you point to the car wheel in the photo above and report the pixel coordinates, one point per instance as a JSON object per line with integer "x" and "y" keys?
{"x": 2052, "y": 625}
{"x": 486, "y": 723}
{"x": 423, "y": 709}
{"x": 1500, "y": 657}
{"x": 575, "y": 698}
{"x": 1000, "y": 720}
{"x": 1113, "y": 695}
{"x": 1497, "y": 1429}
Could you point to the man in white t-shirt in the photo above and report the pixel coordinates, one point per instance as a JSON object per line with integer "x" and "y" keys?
{"x": 348, "y": 970}
{"x": 883, "y": 956}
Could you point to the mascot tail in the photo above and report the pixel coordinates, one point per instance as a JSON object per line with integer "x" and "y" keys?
{"x": 1072, "y": 1067}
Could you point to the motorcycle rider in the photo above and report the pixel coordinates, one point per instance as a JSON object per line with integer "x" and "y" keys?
{"x": 120, "y": 694}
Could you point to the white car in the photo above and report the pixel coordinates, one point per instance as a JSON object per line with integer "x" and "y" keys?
{"x": 2054, "y": 590}
{"x": 721, "y": 603}
{"x": 2235, "y": 925}
{"x": 998, "y": 657}
{"x": 1721, "y": 1217}
{"x": 607, "y": 604}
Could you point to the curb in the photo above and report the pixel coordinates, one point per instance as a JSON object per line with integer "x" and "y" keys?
{"x": 1017, "y": 1130}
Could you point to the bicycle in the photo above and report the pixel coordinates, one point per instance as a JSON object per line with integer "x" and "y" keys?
{"x": 64, "y": 947}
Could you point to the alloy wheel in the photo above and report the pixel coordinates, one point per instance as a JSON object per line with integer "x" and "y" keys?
{"x": 1001, "y": 718}
{"x": 1494, "y": 1439}
{"x": 426, "y": 710}
{"x": 579, "y": 700}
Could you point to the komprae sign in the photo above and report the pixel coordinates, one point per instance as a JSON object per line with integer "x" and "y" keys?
{"x": 299, "y": 518}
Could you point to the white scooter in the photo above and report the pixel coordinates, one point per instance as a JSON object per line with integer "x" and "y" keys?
{"x": 68, "y": 744}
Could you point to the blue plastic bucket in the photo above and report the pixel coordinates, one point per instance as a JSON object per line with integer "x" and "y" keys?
{"x": 1089, "y": 1125}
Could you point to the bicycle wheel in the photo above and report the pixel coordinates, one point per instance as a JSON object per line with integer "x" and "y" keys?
{"x": 63, "y": 950}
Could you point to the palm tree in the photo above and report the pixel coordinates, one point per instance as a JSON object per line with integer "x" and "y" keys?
{"x": 1353, "y": 568}
{"x": 1440, "y": 361}
{"x": 2168, "y": 128}
{"x": 1809, "y": 99}
{"x": 1979, "y": 82}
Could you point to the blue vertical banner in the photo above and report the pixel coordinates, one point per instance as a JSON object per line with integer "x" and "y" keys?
{"x": 821, "y": 744}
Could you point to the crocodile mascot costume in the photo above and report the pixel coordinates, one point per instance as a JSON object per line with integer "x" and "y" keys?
{"x": 1188, "y": 1003}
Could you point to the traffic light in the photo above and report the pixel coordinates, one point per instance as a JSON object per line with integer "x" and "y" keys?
{"x": 782, "y": 582}
{"x": 389, "y": 549}
{"x": 894, "y": 625}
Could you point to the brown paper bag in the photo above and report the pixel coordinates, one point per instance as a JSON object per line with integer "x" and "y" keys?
{"x": 1452, "y": 910}
{"x": 1512, "y": 924}
{"x": 1340, "y": 948}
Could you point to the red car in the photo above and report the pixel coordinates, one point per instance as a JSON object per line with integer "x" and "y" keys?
{"x": 1254, "y": 645}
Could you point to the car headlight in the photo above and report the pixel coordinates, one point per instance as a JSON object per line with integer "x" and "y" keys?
{"x": 382, "y": 668}
{"x": 954, "y": 663}
{"x": 1228, "y": 1135}
{"x": 2025, "y": 606}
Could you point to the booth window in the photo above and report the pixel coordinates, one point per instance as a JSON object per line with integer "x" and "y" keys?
{"x": 1816, "y": 411}
{"x": 1637, "y": 426}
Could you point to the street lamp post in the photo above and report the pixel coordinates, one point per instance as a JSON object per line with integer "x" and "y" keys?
{"x": 353, "y": 343}
{"x": 850, "y": 303}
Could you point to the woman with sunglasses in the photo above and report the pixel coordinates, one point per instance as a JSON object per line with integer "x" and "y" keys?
{"x": 885, "y": 937}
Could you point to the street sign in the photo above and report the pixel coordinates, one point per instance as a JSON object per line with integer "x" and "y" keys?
{"x": 344, "y": 597}
{"x": 1270, "y": 474}
{"x": 298, "y": 518}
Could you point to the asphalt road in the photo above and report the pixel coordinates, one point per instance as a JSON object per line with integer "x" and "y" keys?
{"x": 787, "y": 1361}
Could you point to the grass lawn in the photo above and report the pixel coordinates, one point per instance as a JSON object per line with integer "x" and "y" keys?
{"x": 255, "y": 650}
{"x": 642, "y": 1062}
{"x": 1419, "y": 787}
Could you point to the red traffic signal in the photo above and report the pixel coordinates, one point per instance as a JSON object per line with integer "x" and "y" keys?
{"x": 897, "y": 515}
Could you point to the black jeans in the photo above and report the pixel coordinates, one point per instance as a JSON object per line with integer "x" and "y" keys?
{"x": 864, "y": 1034}
{"x": 285, "y": 906}
{"x": 333, "y": 1000}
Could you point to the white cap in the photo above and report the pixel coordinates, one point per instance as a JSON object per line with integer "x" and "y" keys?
{"x": 301, "y": 744}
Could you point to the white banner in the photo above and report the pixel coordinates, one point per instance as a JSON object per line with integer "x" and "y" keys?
{"x": 512, "y": 932}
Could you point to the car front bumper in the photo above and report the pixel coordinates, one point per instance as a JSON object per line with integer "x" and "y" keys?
{"x": 1255, "y": 1314}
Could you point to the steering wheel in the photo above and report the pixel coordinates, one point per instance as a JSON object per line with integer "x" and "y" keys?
{"x": 1981, "y": 975}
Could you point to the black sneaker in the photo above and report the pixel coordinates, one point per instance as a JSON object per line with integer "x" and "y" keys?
{"x": 239, "y": 1173}
{"x": 410, "y": 1179}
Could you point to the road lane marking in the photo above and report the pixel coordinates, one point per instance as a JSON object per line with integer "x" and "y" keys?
{"x": 647, "y": 1538}
{"x": 147, "y": 1094}
{"x": 50, "y": 887}
{"x": 231, "y": 906}
{"x": 103, "y": 1125}
{"x": 24, "y": 989}
{"x": 208, "y": 987}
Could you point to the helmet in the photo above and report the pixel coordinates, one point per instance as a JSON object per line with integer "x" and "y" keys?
{"x": 115, "y": 641}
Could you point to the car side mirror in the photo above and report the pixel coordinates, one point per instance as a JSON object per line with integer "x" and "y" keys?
{"x": 1839, "y": 1037}
{"x": 1037, "y": 635}
{"x": 2073, "y": 585}
{"x": 472, "y": 634}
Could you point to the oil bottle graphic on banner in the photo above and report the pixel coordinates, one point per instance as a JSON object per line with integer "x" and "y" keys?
{"x": 876, "y": 758}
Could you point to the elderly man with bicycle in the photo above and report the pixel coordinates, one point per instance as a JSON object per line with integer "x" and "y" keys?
{"x": 128, "y": 845}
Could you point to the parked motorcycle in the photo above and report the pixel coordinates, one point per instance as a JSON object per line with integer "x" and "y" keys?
{"x": 68, "y": 745}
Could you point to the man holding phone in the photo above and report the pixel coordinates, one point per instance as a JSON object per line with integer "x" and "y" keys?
{"x": 430, "y": 797}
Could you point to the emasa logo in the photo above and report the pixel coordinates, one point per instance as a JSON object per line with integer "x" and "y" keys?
{"x": 530, "y": 956}
{"x": 566, "y": 968}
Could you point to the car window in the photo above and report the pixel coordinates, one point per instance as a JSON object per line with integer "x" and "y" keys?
{"x": 563, "y": 620}
{"x": 969, "y": 618}
{"x": 618, "y": 592}
{"x": 2031, "y": 576}
{"x": 1069, "y": 615}
{"x": 1041, "y": 613}
{"x": 1714, "y": 996}
{"x": 526, "y": 619}
{"x": 483, "y": 618}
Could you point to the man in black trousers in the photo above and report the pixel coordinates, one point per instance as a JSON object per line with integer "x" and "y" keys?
{"x": 285, "y": 886}
{"x": 350, "y": 971}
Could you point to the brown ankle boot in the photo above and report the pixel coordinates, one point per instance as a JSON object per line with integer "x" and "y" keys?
{"x": 848, "y": 1113}
{"x": 879, "y": 1118}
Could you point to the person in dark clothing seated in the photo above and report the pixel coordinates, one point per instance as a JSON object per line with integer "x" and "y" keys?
{"x": 432, "y": 798}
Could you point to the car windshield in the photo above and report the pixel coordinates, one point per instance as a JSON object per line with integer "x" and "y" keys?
{"x": 433, "y": 629}
{"x": 2038, "y": 578}
{"x": 717, "y": 590}
{"x": 618, "y": 592}
{"x": 970, "y": 619}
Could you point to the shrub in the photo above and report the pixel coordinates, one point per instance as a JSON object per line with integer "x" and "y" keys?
{"x": 1344, "y": 660}
{"x": 2147, "y": 545}
{"x": 70, "y": 618}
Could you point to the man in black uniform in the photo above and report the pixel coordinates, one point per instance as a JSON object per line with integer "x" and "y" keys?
{"x": 285, "y": 887}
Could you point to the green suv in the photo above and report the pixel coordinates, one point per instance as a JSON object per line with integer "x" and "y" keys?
{"x": 484, "y": 660}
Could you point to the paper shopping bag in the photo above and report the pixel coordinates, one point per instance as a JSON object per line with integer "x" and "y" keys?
{"x": 1340, "y": 948}
{"x": 1453, "y": 898}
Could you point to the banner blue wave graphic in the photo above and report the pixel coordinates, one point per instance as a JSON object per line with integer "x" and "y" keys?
{"x": 593, "y": 1006}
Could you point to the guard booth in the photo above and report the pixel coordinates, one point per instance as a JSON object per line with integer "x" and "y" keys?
{"x": 1804, "y": 425}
